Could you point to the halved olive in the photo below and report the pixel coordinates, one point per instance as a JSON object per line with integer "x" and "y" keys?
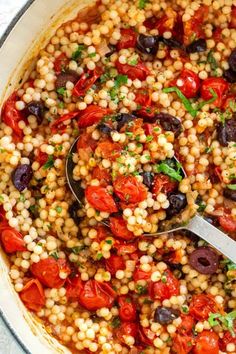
{"x": 204, "y": 260}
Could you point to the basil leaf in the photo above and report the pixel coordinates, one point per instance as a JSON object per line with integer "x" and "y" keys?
{"x": 169, "y": 171}
{"x": 213, "y": 319}
{"x": 232, "y": 187}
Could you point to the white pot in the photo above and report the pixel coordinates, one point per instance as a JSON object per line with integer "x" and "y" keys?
{"x": 30, "y": 30}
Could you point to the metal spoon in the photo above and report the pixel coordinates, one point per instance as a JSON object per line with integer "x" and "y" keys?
{"x": 198, "y": 225}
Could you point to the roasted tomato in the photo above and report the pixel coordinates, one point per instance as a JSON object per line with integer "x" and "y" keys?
{"x": 217, "y": 84}
{"x": 127, "y": 309}
{"x": 139, "y": 274}
{"x": 232, "y": 23}
{"x": 41, "y": 158}
{"x": 100, "y": 199}
{"x": 92, "y": 115}
{"x": 109, "y": 149}
{"x": 126, "y": 329}
{"x": 201, "y": 306}
{"x": 146, "y": 336}
{"x": 74, "y": 287}
{"x": 95, "y": 295}
{"x": 11, "y": 116}
{"x": 114, "y": 263}
{"x": 61, "y": 63}
{"x": 139, "y": 71}
{"x": 32, "y": 295}
{"x": 126, "y": 248}
{"x": 144, "y": 105}
{"x": 119, "y": 228}
{"x": 86, "y": 82}
{"x": 163, "y": 183}
{"x": 128, "y": 39}
{"x": 129, "y": 189}
{"x": 217, "y": 34}
{"x": 58, "y": 124}
{"x": 188, "y": 82}
{"x": 49, "y": 270}
{"x": 186, "y": 326}
{"x": 85, "y": 141}
{"x": 182, "y": 344}
{"x": 3, "y": 220}
{"x": 11, "y": 239}
{"x": 164, "y": 288}
{"x": 227, "y": 338}
{"x": 102, "y": 175}
{"x": 207, "y": 342}
{"x": 166, "y": 22}
{"x": 102, "y": 233}
{"x": 193, "y": 28}
{"x": 227, "y": 222}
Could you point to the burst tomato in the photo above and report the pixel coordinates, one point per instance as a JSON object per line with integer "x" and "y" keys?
{"x": 61, "y": 63}
{"x": 227, "y": 338}
{"x": 163, "y": 183}
{"x": 48, "y": 270}
{"x": 95, "y": 295}
{"x": 74, "y": 287}
{"x": 86, "y": 141}
{"x": 193, "y": 28}
{"x": 207, "y": 342}
{"x": 166, "y": 22}
{"x": 58, "y": 124}
{"x": 12, "y": 240}
{"x": 41, "y": 158}
{"x": 86, "y": 82}
{"x": 164, "y": 288}
{"x": 201, "y": 306}
{"x": 92, "y": 115}
{"x": 102, "y": 175}
{"x": 146, "y": 336}
{"x": 227, "y": 222}
{"x": 126, "y": 248}
{"x": 139, "y": 71}
{"x": 100, "y": 199}
{"x": 144, "y": 105}
{"x": 126, "y": 329}
{"x": 186, "y": 326}
{"x": 128, "y": 39}
{"x": 114, "y": 263}
{"x": 11, "y": 116}
{"x": 3, "y": 220}
{"x": 127, "y": 310}
{"x": 139, "y": 274}
{"x": 232, "y": 23}
{"x": 217, "y": 84}
{"x": 102, "y": 233}
{"x": 129, "y": 189}
{"x": 187, "y": 82}
{"x": 119, "y": 228}
{"x": 32, "y": 295}
{"x": 217, "y": 34}
{"x": 182, "y": 344}
{"x": 109, "y": 149}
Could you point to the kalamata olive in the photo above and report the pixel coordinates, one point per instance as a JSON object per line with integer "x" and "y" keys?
{"x": 232, "y": 60}
{"x": 226, "y": 131}
{"x": 165, "y": 315}
{"x": 73, "y": 210}
{"x": 36, "y": 108}
{"x": 171, "y": 42}
{"x": 178, "y": 202}
{"x": 105, "y": 128}
{"x": 230, "y": 75}
{"x": 124, "y": 118}
{"x": 21, "y": 177}
{"x": 204, "y": 260}
{"x": 112, "y": 50}
{"x": 197, "y": 46}
{"x": 148, "y": 178}
{"x": 147, "y": 44}
{"x": 229, "y": 194}
{"x": 65, "y": 76}
{"x": 169, "y": 122}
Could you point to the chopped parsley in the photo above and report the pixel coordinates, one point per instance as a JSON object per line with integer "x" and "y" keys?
{"x": 149, "y": 138}
{"x": 208, "y": 150}
{"x": 109, "y": 242}
{"x": 99, "y": 256}
{"x": 133, "y": 60}
{"x": 54, "y": 255}
{"x": 115, "y": 322}
{"x": 130, "y": 134}
{"x": 227, "y": 321}
{"x": 59, "y": 209}
{"x": 230, "y": 265}
{"x": 1, "y": 199}
{"x": 22, "y": 198}
{"x": 164, "y": 279}
{"x": 61, "y": 91}
{"x": 201, "y": 207}
{"x": 142, "y": 4}
{"x": 212, "y": 61}
{"x": 165, "y": 168}
{"x": 92, "y": 55}
{"x": 50, "y": 163}
{"x": 141, "y": 290}
{"x": 77, "y": 249}
{"x": 185, "y": 309}
{"x": 78, "y": 53}
{"x": 232, "y": 187}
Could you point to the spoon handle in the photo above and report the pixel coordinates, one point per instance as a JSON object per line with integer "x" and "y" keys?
{"x": 213, "y": 236}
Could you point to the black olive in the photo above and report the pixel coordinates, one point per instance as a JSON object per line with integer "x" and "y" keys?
{"x": 169, "y": 122}
{"x": 197, "y": 46}
{"x": 104, "y": 128}
{"x": 229, "y": 194}
{"x": 147, "y": 44}
{"x": 36, "y": 108}
{"x": 230, "y": 75}
{"x": 112, "y": 50}
{"x": 73, "y": 209}
{"x": 232, "y": 60}
{"x": 21, "y": 176}
{"x": 171, "y": 42}
{"x": 124, "y": 118}
{"x": 204, "y": 260}
{"x": 64, "y": 77}
{"x": 178, "y": 202}
{"x": 226, "y": 131}
{"x": 165, "y": 315}
{"x": 148, "y": 178}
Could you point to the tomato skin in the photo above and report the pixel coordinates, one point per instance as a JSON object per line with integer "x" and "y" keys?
{"x": 219, "y": 85}
{"x": 57, "y": 125}
{"x": 127, "y": 310}
{"x": 102, "y": 175}
{"x": 188, "y": 83}
{"x": 12, "y": 240}
{"x": 163, "y": 183}
{"x": 146, "y": 336}
{"x": 86, "y": 141}
{"x": 86, "y": 81}
{"x": 201, "y": 306}
{"x": 207, "y": 342}
{"x": 114, "y": 263}
{"x": 232, "y": 23}
{"x": 100, "y": 199}
{"x": 166, "y": 22}
{"x": 227, "y": 338}
{"x": 139, "y": 71}
{"x": 74, "y": 287}
{"x": 186, "y": 326}
{"x": 139, "y": 274}
{"x": 164, "y": 290}
{"x": 129, "y": 189}
{"x": 145, "y": 102}
{"x": 126, "y": 329}
{"x": 128, "y": 39}
{"x": 11, "y": 116}
{"x": 102, "y": 233}
{"x": 47, "y": 271}
{"x": 109, "y": 149}
{"x": 227, "y": 222}
{"x": 119, "y": 228}
{"x": 3, "y": 220}
{"x": 95, "y": 295}
{"x": 92, "y": 115}
{"x": 32, "y": 295}
{"x": 128, "y": 248}
{"x": 41, "y": 158}
{"x": 61, "y": 63}
{"x": 193, "y": 27}
{"x": 182, "y": 344}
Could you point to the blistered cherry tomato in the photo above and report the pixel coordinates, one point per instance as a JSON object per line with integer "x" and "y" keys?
{"x": 95, "y": 295}
{"x": 102, "y": 233}
{"x": 129, "y": 248}
{"x": 188, "y": 82}
{"x": 182, "y": 344}
{"x": 58, "y": 124}
{"x": 207, "y": 342}
{"x": 139, "y": 274}
{"x": 109, "y": 150}
{"x": 127, "y": 309}
{"x": 114, "y": 263}
{"x": 232, "y": 23}
{"x": 227, "y": 222}
{"x": 218, "y": 85}
{"x": 186, "y": 325}
{"x": 41, "y": 158}
{"x": 227, "y": 338}
{"x": 85, "y": 141}
{"x": 144, "y": 105}
{"x": 100, "y": 199}
{"x": 166, "y": 22}
{"x": 164, "y": 288}
{"x": 12, "y": 240}
{"x": 129, "y": 189}
{"x": 86, "y": 82}
{"x": 48, "y": 272}
{"x": 11, "y": 116}
{"x": 32, "y": 295}
{"x": 146, "y": 336}
{"x": 61, "y": 63}
{"x": 3, "y": 220}
{"x": 128, "y": 39}
{"x": 201, "y": 306}
{"x": 193, "y": 28}
{"x": 119, "y": 228}
{"x": 139, "y": 71}
{"x": 126, "y": 329}
{"x": 102, "y": 175}
{"x": 74, "y": 287}
{"x": 92, "y": 115}
{"x": 163, "y": 183}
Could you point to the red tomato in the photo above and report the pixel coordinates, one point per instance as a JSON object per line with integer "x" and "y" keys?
{"x": 95, "y": 295}
{"x": 128, "y": 39}
{"x": 219, "y": 85}
{"x": 92, "y": 115}
{"x": 166, "y": 22}
{"x": 128, "y": 248}
{"x": 126, "y": 329}
{"x": 228, "y": 102}
{"x": 201, "y": 306}
{"x": 32, "y": 295}
{"x": 163, "y": 183}
{"x": 102, "y": 175}
{"x": 57, "y": 125}
{"x": 227, "y": 222}
{"x": 186, "y": 326}
{"x": 119, "y": 228}
{"x": 102, "y": 233}
{"x": 150, "y": 23}
{"x": 227, "y": 338}
{"x": 139, "y": 274}
{"x": 61, "y": 63}
{"x": 232, "y": 23}
{"x": 165, "y": 288}
{"x": 74, "y": 287}
{"x": 146, "y": 336}
{"x": 129, "y": 189}
{"x": 182, "y": 344}
{"x": 109, "y": 150}
{"x": 86, "y": 141}
{"x": 48, "y": 270}
{"x": 193, "y": 28}
{"x": 207, "y": 342}
{"x": 114, "y": 263}
{"x": 41, "y": 158}
{"x": 86, "y": 82}
{"x": 127, "y": 310}
{"x": 12, "y": 240}
{"x": 188, "y": 82}
{"x": 217, "y": 35}
{"x": 11, "y": 116}
{"x": 100, "y": 199}
{"x": 3, "y": 220}
{"x": 144, "y": 102}
{"x": 139, "y": 71}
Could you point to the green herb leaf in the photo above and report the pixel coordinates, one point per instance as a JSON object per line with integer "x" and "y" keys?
{"x": 208, "y": 150}
{"x": 230, "y": 265}
{"x": 78, "y": 53}
{"x": 201, "y": 207}
{"x": 115, "y": 322}
{"x": 50, "y": 163}
{"x": 212, "y": 61}
{"x": 169, "y": 171}
{"x": 185, "y": 309}
{"x": 121, "y": 80}
{"x": 109, "y": 242}
{"x": 61, "y": 91}
{"x": 99, "y": 256}
{"x": 54, "y": 255}
{"x": 227, "y": 321}
{"x": 232, "y": 187}
{"x": 141, "y": 290}
{"x": 142, "y": 4}
{"x": 149, "y": 138}
{"x": 92, "y": 55}
{"x": 59, "y": 209}
{"x": 77, "y": 249}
